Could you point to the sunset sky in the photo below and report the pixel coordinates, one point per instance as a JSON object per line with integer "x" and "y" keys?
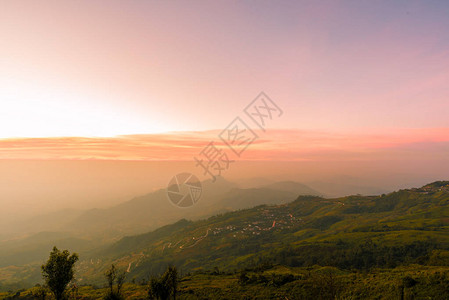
{"x": 108, "y": 68}
{"x": 363, "y": 87}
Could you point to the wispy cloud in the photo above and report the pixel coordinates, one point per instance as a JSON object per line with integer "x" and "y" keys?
{"x": 284, "y": 145}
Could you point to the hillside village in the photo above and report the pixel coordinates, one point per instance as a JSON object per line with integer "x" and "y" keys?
{"x": 438, "y": 186}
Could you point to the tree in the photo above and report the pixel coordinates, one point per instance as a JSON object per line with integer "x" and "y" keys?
{"x": 171, "y": 279}
{"x": 158, "y": 289}
{"x": 165, "y": 286}
{"x": 114, "y": 276}
{"x": 110, "y": 275}
{"x": 59, "y": 271}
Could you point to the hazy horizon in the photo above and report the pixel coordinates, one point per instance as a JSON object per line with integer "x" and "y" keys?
{"x": 35, "y": 187}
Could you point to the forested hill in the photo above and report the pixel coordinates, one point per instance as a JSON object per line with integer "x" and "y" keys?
{"x": 354, "y": 232}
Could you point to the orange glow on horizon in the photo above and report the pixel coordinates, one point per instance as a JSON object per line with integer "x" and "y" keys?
{"x": 275, "y": 145}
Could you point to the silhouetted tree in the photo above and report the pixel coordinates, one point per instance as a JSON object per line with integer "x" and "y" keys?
{"x": 165, "y": 286}
{"x": 114, "y": 276}
{"x": 171, "y": 277}
{"x": 157, "y": 289}
{"x": 59, "y": 271}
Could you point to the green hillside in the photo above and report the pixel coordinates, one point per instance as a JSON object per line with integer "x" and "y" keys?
{"x": 355, "y": 232}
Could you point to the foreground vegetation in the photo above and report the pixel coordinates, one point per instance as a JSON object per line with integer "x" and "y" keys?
{"x": 280, "y": 282}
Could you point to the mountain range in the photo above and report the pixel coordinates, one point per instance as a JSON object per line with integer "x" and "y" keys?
{"x": 361, "y": 232}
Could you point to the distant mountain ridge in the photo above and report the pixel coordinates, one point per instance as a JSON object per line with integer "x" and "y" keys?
{"x": 293, "y": 187}
{"x": 153, "y": 210}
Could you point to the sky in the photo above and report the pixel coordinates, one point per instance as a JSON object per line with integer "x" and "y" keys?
{"x": 361, "y": 87}
{"x": 102, "y": 69}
